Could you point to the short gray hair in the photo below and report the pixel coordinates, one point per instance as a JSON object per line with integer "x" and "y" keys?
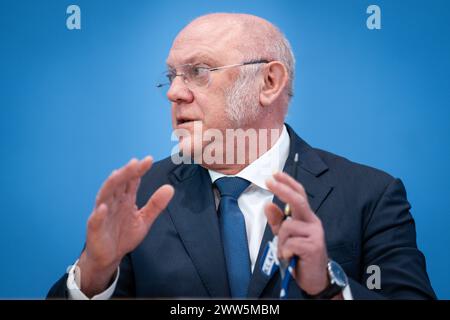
{"x": 270, "y": 45}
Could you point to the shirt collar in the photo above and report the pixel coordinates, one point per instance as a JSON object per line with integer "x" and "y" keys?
{"x": 265, "y": 166}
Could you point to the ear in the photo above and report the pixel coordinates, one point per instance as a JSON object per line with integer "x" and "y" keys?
{"x": 275, "y": 81}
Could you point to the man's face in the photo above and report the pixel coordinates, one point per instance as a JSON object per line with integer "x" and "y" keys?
{"x": 206, "y": 45}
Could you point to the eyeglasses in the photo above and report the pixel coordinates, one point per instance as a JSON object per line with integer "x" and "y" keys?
{"x": 196, "y": 75}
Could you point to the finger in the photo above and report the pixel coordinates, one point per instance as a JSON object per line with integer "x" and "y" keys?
{"x": 297, "y": 246}
{"x": 106, "y": 188}
{"x": 287, "y": 179}
{"x": 97, "y": 217}
{"x": 157, "y": 203}
{"x": 298, "y": 203}
{"x": 297, "y": 186}
{"x": 132, "y": 187}
{"x": 274, "y": 216}
{"x": 145, "y": 165}
{"x": 133, "y": 184}
{"x": 126, "y": 173}
{"x": 120, "y": 190}
{"x": 115, "y": 185}
{"x": 110, "y": 185}
{"x": 293, "y": 228}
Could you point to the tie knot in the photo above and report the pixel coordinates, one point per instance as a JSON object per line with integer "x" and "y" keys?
{"x": 231, "y": 186}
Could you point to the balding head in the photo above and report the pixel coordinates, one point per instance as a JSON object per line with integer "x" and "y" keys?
{"x": 246, "y": 36}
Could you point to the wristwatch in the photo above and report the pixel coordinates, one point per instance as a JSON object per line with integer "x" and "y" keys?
{"x": 338, "y": 281}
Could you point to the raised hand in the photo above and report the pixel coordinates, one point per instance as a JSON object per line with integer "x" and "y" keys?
{"x": 116, "y": 226}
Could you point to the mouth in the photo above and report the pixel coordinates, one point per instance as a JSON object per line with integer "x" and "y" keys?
{"x": 183, "y": 120}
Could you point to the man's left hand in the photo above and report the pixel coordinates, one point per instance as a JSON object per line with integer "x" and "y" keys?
{"x": 301, "y": 236}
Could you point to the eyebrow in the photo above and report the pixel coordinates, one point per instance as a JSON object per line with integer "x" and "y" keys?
{"x": 201, "y": 57}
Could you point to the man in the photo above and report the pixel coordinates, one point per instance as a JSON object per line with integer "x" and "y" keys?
{"x": 199, "y": 230}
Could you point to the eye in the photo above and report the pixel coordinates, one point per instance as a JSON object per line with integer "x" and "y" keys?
{"x": 198, "y": 71}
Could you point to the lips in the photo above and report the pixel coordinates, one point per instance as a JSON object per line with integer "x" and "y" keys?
{"x": 184, "y": 120}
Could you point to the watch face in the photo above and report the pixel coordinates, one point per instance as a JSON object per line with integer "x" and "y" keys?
{"x": 337, "y": 274}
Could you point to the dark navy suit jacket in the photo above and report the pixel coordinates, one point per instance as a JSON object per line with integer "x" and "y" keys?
{"x": 364, "y": 212}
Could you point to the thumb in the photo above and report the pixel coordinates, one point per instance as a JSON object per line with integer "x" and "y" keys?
{"x": 157, "y": 203}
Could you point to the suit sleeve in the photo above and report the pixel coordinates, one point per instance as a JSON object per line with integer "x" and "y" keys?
{"x": 125, "y": 287}
{"x": 389, "y": 242}
{"x": 59, "y": 289}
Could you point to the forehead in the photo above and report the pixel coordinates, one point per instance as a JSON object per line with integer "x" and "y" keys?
{"x": 196, "y": 55}
{"x": 204, "y": 43}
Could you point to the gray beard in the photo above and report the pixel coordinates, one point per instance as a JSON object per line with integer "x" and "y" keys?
{"x": 242, "y": 102}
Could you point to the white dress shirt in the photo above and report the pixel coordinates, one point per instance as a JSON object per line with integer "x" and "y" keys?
{"x": 257, "y": 195}
{"x": 251, "y": 202}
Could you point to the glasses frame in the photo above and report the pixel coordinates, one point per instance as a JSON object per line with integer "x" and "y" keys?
{"x": 209, "y": 70}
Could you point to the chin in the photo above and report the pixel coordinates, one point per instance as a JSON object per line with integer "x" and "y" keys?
{"x": 189, "y": 149}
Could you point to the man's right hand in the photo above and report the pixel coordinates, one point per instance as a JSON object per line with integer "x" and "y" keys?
{"x": 117, "y": 226}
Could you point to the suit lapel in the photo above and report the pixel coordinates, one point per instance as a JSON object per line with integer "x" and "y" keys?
{"x": 310, "y": 166}
{"x": 194, "y": 215}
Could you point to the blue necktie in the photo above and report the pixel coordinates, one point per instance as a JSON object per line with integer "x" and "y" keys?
{"x": 234, "y": 235}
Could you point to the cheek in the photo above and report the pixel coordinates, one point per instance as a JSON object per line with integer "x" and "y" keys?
{"x": 213, "y": 109}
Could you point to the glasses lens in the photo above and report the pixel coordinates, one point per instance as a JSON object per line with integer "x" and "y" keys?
{"x": 198, "y": 75}
{"x": 194, "y": 76}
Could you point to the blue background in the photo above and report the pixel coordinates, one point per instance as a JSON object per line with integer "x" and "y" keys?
{"x": 76, "y": 104}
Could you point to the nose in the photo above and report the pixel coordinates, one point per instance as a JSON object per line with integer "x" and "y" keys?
{"x": 179, "y": 92}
